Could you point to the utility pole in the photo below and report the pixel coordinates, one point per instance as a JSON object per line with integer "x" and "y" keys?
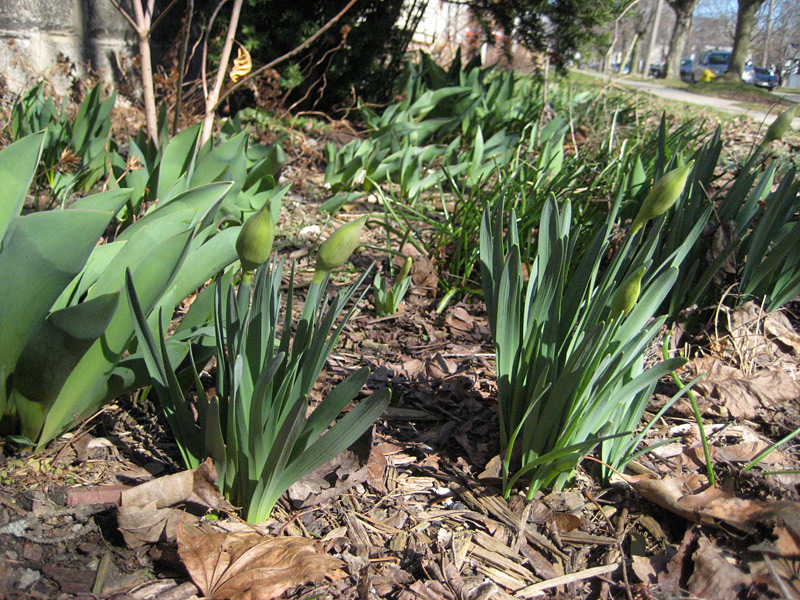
{"x": 654, "y": 34}
{"x": 764, "y": 62}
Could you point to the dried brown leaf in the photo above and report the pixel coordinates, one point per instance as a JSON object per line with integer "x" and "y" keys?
{"x": 249, "y": 566}
{"x": 648, "y": 568}
{"x": 714, "y": 577}
{"x": 335, "y": 477}
{"x": 743, "y": 394}
{"x": 738, "y": 512}
{"x": 669, "y": 491}
{"x": 671, "y": 578}
{"x": 150, "y": 512}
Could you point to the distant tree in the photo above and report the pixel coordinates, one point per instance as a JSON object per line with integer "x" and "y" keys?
{"x": 745, "y": 18}
{"x": 558, "y": 27}
{"x": 684, "y": 11}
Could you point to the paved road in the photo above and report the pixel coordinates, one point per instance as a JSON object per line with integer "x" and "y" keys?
{"x": 729, "y": 106}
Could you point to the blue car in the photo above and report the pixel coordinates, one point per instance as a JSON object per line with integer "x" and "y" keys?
{"x": 765, "y": 78}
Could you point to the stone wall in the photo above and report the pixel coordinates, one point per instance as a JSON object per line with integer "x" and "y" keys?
{"x": 40, "y": 38}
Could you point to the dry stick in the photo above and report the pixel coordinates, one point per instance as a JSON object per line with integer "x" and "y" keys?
{"x": 620, "y": 536}
{"x": 182, "y": 65}
{"x": 286, "y": 56}
{"x": 533, "y": 590}
{"x": 213, "y": 97}
{"x": 204, "y": 58}
{"x": 143, "y": 26}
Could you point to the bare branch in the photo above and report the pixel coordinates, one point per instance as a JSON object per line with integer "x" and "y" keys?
{"x": 125, "y": 14}
{"x": 163, "y": 13}
{"x": 286, "y": 56}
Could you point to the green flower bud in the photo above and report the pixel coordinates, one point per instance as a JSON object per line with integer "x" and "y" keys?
{"x": 335, "y": 251}
{"x": 627, "y": 294}
{"x": 254, "y": 244}
{"x": 780, "y": 125}
{"x": 664, "y": 194}
{"x": 405, "y": 269}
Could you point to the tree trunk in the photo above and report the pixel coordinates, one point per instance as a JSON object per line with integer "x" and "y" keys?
{"x": 745, "y": 17}
{"x": 651, "y": 43}
{"x": 641, "y": 29}
{"x": 222, "y": 69}
{"x": 684, "y": 12}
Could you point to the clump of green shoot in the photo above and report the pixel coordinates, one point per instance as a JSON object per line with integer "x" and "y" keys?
{"x": 388, "y": 299}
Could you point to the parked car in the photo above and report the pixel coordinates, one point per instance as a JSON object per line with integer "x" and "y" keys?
{"x": 656, "y": 70}
{"x": 765, "y": 78}
{"x": 715, "y": 61}
{"x": 687, "y": 70}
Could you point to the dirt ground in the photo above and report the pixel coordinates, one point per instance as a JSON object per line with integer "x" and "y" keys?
{"x": 412, "y": 511}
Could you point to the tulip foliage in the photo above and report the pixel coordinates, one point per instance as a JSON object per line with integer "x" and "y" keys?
{"x": 66, "y": 348}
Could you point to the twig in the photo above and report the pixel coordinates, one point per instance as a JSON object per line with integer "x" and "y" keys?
{"x": 286, "y": 56}
{"x": 212, "y": 100}
{"x": 182, "y": 64}
{"x": 203, "y": 74}
{"x": 533, "y": 590}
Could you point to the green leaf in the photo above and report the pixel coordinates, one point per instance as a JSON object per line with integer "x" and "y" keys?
{"x": 177, "y": 159}
{"x": 89, "y": 384}
{"x": 41, "y": 253}
{"x": 18, "y": 163}
{"x": 58, "y": 344}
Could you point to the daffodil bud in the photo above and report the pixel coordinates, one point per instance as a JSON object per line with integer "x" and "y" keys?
{"x": 664, "y": 194}
{"x": 405, "y": 269}
{"x": 627, "y": 294}
{"x": 254, "y": 243}
{"x": 780, "y": 125}
{"x": 335, "y": 251}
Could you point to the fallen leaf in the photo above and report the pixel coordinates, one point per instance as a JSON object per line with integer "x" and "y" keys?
{"x": 670, "y": 491}
{"x": 150, "y": 512}
{"x": 335, "y": 477}
{"x": 741, "y": 513}
{"x": 648, "y": 568}
{"x": 671, "y": 578}
{"x": 714, "y": 577}
{"x": 779, "y": 568}
{"x": 249, "y": 566}
{"x": 785, "y": 570}
{"x": 739, "y": 393}
{"x": 770, "y": 334}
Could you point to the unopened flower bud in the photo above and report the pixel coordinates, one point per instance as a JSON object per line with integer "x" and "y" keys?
{"x": 664, "y": 194}
{"x": 780, "y": 125}
{"x": 254, "y": 244}
{"x": 627, "y": 294}
{"x": 336, "y": 250}
{"x": 405, "y": 269}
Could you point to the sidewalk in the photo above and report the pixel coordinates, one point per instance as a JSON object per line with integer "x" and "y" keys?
{"x": 729, "y": 106}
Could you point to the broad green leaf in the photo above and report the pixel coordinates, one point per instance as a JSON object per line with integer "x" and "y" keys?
{"x": 18, "y": 163}
{"x": 41, "y": 253}
{"x": 57, "y": 345}
{"x": 195, "y": 202}
{"x": 176, "y": 160}
{"x": 90, "y": 383}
